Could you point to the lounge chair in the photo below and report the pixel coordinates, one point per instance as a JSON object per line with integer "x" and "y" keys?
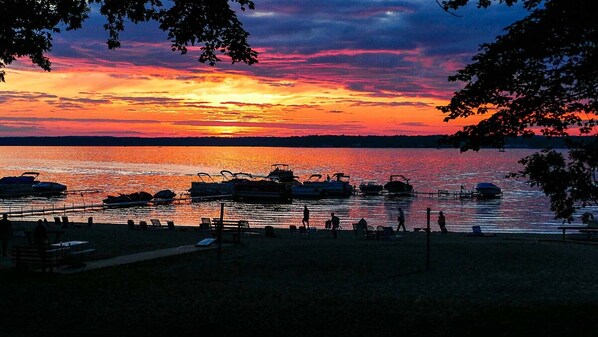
{"x": 269, "y": 232}
{"x": 370, "y": 231}
{"x": 170, "y": 224}
{"x": 66, "y": 222}
{"x": 361, "y": 231}
{"x": 385, "y": 233}
{"x": 205, "y": 224}
{"x": 132, "y": 225}
{"x": 156, "y": 222}
{"x": 477, "y": 231}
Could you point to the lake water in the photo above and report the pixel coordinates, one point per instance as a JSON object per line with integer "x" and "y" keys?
{"x": 114, "y": 170}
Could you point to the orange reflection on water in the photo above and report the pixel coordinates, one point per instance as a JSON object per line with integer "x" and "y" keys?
{"x": 116, "y": 170}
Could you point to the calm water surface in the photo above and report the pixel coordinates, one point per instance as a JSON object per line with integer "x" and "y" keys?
{"x": 114, "y": 170}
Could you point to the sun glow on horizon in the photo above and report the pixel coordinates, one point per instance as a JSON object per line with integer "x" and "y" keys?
{"x": 365, "y": 68}
{"x": 153, "y": 101}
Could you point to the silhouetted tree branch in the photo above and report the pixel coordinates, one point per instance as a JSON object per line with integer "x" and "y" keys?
{"x": 27, "y": 26}
{"x": 540, "y": 76}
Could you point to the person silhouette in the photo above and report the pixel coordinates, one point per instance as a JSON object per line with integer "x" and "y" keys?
{"x": 401, "y": 219}
{"x": 442, "y": 222}
{"x": 305, "y": 220}
{"x": 5, "y": 233}
{"x": 335, "y": 224}
{"x": 40, "y": 234}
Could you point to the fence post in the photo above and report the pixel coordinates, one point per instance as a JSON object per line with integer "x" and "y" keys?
{"x": 428, "y": 239}
{"x": 219, "y": 230}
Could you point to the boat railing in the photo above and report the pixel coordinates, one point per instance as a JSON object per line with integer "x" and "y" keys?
{"x": 202, "y": 175}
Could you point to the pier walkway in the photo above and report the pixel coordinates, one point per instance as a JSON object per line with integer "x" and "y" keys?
{"x": 21, "y": 211}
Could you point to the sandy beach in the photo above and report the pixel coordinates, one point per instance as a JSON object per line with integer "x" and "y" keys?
{"x": 299, "y": 285}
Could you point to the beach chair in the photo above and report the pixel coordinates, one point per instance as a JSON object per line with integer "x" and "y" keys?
{"x": 170, "y": 224}
{"x": 156, "y": 223}
{"x": 57, "y": 221}
{"x": 477, "y": 231}
{"x": 269, "y": 232}
{"x": 385, "y": 233}
{"x": 66, "y": 222}
{"x": 302, "y": 230}
{"x": 370, "y": 232}
{"x": 244, "y": 224}
{"x": 361, "y": 231}
{"x": 132, "y": 225}
{"x": 205, "y": 224}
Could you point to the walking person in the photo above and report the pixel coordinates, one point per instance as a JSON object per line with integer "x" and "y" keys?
{"x": 305, "y": 216}
{"x": 335, "y": 223}
{"x": 442, "y": 222}
{"x": 401, "y": 219}
{"x": 5, "y": 233}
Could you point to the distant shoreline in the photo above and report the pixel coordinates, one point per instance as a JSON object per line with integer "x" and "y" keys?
{"x": 535, "y": 142}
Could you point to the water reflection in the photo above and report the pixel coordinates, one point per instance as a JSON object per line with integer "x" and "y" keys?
{"x": 116, "y": 170}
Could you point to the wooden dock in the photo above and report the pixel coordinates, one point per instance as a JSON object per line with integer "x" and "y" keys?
{"x": 22, "y": 211}
{"x": 443, "y": 194}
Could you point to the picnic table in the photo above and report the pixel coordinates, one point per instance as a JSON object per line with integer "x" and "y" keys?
{"x": 74, "y": 252}
{"x": 45, "y": 258}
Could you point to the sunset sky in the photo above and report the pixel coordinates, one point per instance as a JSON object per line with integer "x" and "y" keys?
{"x": 325, "y": 67}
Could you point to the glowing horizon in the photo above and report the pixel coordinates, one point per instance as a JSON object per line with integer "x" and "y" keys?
{"x": 316, "y": 86}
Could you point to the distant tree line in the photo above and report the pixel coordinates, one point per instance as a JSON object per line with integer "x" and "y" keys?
{"x": 298, "y": 141}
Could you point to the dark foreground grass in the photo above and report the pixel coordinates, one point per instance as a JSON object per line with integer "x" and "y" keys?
{"x": 289, "y": 286}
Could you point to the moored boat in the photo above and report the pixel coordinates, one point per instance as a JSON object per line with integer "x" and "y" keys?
{"x": 487, "y": 190}
{"x": 48, "y": 188}
{"x": 302, "y": 191}
{"x": 281, "y": 173}
{"x": 370, "y": 188}
{"x": 27, "y": 184}
{"x": 206, "y": 186}
{"x": 163, "y": 197}
{"x": 18, "y": 185}
{"x": 337, "y": 186}
{"x": 262, "y": 190}
{"x": 132, "y": 199}
{"x": 398, "y": 185}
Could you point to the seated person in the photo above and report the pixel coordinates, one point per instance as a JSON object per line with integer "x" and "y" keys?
{"x": 40, "y": 234}
{"x": 336, "y": 222}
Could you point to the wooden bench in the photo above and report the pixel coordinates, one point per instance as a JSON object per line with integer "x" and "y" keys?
{"x": 590, "y": 228}
{"x": 42, "y": 257}
{"x": 589, "y": 231}
{"x": 565, "y": 228}
{"x": 232, "y": 228}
